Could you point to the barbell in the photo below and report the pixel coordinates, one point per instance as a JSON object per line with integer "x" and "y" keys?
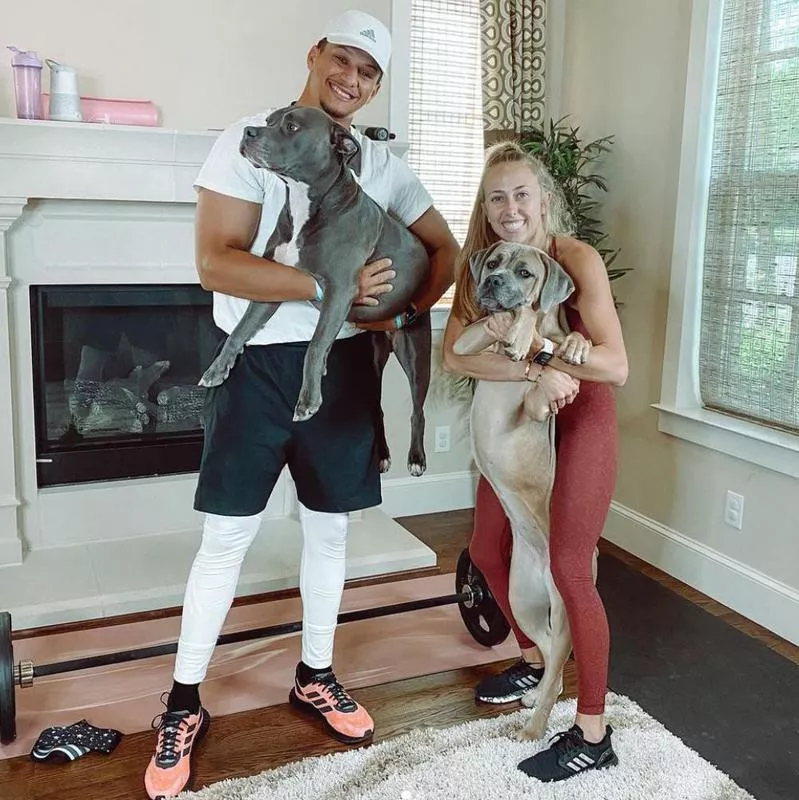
{"x": 480, "y": 613}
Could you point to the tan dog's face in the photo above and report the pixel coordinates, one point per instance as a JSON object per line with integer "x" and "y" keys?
{"x": 509, "y": 275}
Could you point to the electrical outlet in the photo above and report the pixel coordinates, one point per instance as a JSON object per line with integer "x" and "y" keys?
{"x": 734, "y": 510}
{"x": 442, "y": 439}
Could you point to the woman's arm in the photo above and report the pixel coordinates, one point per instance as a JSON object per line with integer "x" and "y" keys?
{"x": 483, "y": 366}
{"x": 607, "y": 360}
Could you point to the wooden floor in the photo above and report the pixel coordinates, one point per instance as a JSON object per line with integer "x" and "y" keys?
{"x": 247, "y": 743}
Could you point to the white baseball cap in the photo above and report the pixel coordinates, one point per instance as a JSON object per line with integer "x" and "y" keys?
{"x": 361, "y": 30}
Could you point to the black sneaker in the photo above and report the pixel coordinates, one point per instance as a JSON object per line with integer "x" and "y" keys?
{"x": 509, "y": 685}
{"x": 568, "y": 755}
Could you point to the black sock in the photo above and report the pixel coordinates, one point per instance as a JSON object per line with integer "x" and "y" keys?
{"x": 184, "y": 697}
{"x": 306, "y": 674}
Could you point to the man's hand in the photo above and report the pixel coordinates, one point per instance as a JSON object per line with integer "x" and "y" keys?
{"x": 374, "y": 280}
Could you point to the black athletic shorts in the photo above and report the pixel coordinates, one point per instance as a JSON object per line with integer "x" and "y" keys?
{"x": 250, "y": 434}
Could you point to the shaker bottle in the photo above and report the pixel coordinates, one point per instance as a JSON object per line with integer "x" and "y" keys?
{"x": 27, "y": 68}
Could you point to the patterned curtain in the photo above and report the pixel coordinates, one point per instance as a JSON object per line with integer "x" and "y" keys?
{"x": 513, "y": 58}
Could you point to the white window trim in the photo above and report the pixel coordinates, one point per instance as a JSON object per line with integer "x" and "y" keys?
{"x": 680, "y": 410}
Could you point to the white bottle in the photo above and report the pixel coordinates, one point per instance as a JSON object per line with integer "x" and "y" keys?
{"x": 64, "y": 95}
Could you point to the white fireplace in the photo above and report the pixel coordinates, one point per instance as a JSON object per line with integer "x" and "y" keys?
{"x": 102, "y": 204}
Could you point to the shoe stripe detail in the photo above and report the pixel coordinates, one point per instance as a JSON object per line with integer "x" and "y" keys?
{"x": 574, "y": 766}
{"x": 586, "y": 759}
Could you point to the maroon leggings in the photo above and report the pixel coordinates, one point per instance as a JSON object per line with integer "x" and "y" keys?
{"x": 585, "y": 476}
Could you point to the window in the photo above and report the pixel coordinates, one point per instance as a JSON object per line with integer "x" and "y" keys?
{"x": 731, "y": 365}
{"x": 749, "y": 343}
{"x": 445, "y": 112}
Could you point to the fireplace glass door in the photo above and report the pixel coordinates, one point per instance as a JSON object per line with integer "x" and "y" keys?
{"x": 115, "y": 379}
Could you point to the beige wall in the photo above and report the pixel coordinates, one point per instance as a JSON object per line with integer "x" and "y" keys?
{"x": 204, "y": 63}
{"x": 624, "y": 74}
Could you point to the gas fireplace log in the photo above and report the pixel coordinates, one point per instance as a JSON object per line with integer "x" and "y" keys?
{"x": 104, "y": 418}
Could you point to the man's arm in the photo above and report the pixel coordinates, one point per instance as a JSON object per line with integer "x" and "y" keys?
{"x": 442, "y": 248}
{"x": 434, "y": 233}
{"x": 224, "y": 231}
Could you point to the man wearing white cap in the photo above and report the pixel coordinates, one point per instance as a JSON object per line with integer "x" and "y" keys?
{"x": 249, "y": 432}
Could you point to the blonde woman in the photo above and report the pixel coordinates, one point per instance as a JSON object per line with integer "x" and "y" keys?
{"x": 519, "y": 202}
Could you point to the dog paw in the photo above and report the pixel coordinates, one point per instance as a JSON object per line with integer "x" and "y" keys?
{"x": 516, "y": 351}
{"x": 417, "y": 463}
{"x": 528, "y": 699}
{"x": 214, "y": 376}
{"x": 416, "y": 469}
{"x": 384, "y": 465}
{"x": 574, "y": 349}
{"x": 306, "y": 407}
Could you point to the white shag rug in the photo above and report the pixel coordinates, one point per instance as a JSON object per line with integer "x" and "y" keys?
{"x": 477, "y": 761}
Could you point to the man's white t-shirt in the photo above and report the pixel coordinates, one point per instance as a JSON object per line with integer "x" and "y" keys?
{"x": 385, "y": 178}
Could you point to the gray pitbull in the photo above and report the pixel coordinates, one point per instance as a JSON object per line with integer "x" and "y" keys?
{"x": 330, "y": 228}
{"x": 513, "y": 440}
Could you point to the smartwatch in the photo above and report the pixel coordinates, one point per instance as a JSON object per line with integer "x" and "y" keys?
{"x": 544, "y": 355}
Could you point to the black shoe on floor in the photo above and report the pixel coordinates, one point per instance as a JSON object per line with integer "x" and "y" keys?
{"x": 569, "y": 755}
{"x": 509, "y": 685}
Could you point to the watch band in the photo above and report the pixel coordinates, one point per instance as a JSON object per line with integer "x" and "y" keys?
{"x": 545, "y": 354}
{"x": 527, "y": 377}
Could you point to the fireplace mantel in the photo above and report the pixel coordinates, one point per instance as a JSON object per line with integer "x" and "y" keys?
{"x": 70, "y": 160}
{"x": 86, "y": 203}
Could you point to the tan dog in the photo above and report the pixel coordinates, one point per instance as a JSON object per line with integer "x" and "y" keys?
{"x": 513, "y": 440}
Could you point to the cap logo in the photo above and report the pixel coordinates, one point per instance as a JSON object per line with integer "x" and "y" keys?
{"x": 369, "y": 34}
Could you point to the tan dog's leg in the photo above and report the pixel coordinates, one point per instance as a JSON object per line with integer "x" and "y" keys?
{"x": 547, "y": 692}
{"x": 521, "y": 334}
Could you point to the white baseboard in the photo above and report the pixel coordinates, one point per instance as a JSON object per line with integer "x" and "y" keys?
{"x": 403, "y": 497}
{"x": 770, "y": 603}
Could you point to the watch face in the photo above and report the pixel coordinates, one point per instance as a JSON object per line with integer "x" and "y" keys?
{"x": 543, "y": 358}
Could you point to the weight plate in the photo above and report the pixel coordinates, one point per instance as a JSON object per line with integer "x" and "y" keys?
{"x": 484, "y": 620}
{"x": 8, "y": 706}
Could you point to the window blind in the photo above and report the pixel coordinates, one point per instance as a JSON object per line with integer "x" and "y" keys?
{"x": 445, "y": 111}
{"x": 749, "y": 354}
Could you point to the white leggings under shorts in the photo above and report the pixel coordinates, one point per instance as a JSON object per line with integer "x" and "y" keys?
{"x": 215, "y": 573}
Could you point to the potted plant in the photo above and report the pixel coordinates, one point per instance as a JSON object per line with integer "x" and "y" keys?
{"x": 572, "y": 164}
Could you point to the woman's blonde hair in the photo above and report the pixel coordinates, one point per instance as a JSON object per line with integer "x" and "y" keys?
{"x": 557, "y": 222}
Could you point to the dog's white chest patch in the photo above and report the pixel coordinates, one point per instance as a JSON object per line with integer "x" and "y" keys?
{"x": 300, "y": 206}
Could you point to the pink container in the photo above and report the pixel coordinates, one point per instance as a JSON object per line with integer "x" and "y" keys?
{"x": 114, "y": 112}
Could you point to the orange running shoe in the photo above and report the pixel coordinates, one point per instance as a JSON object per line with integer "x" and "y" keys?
{"x": 169, "y": 770}
{"x": 326, "y": 698}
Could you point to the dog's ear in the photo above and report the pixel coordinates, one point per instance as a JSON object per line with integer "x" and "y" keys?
{"x": 478, "y": 259}
{"x": 347, "y": 147}
{"x": 557, "y": 283}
